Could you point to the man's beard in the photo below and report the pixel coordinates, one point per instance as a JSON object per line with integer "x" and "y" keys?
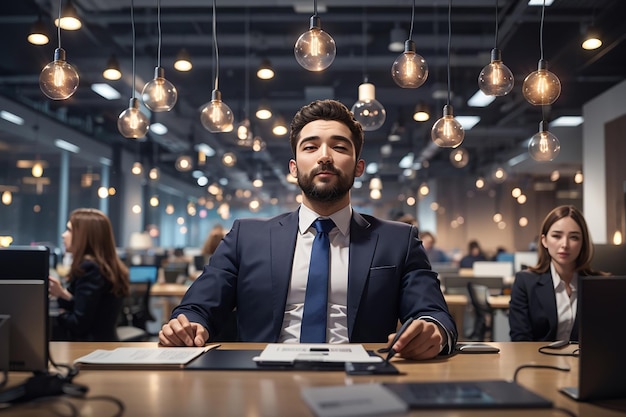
{"x": 325, "y": 192}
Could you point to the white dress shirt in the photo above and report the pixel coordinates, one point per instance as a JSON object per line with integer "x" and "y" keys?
{"x": 565, "y": 305}
{"x": 337, "y": 324}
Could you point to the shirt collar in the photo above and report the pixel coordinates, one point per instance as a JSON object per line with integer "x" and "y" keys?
{"x": 556, "y": 278}
{"x": 341, "y": 218}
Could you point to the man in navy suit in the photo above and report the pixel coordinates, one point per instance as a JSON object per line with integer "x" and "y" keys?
{"x": 379, "y": 272}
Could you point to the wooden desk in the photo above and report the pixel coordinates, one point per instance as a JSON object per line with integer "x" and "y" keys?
{"x": 457, "y": 303}
{"x": 277, "y": 393}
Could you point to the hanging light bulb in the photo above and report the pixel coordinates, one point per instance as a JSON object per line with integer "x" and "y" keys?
{"x": 459, "y": 157}
{"x": 541, "y": 87}
{"x": 315, "y": 49}
{"x": 495, "y": 79}
{"x": 409, "y": 70}
{"x": 132, "y": 123}
{"x": 154, "y": 174}
{"x": 367, "y": 110}
{"x": 159, "y": 94}
{"x": 543, "y": 146}
{"x": 58, "y": 80}
{"x": 265, "y": 71}
{"x": 243, "y": 130}
{"x": 216, "y": 116}
{"x": 447, "y": 132}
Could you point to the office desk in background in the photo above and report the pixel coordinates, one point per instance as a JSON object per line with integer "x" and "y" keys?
{"x": 277, "y": 393}
{"x": 171, "y": 294}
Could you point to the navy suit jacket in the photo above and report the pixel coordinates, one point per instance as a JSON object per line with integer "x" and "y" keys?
{"x": 389, "y": 279}
{"x": 532, "y": 312}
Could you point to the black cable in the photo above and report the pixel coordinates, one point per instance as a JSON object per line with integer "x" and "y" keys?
{"x": 534, "y": 365}
{"x": 552, "y": 349}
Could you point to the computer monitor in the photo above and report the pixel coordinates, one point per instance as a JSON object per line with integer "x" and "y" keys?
{"x": 143, "y": 273}
{"x": 23, "y": 303}
{"x": 609, "y": 258}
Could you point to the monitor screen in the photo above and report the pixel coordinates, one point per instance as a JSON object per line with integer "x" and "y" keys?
{"x": 24, "y": 299}
{"x": 143, "y": 273}
{"x": 24, "y": 308}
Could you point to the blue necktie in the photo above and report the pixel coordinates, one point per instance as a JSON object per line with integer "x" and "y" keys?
{"x": 313, "y": 328}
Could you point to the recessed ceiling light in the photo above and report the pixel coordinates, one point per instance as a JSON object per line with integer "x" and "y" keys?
{"x": 10, "y": 117}
{"x": 567, "y": 121}
{"x": 158, "y": 128}
{"x": 480, "y": 99}
{"x": 467, "y": 122}
{"x": 540, "y": 2}
{"x": 106, "y": 91}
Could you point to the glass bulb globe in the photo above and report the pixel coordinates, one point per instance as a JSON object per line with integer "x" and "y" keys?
{"x": 541, "y": 87}
{"x": 409, "y": 70}
{"x": 367, "y": 110}
{"x": 315, "y": 49}
{"x": 459, "y": 157}
{"x": 159, "y": 94}
{"x": 543, "y": 146}
{"x": 132, "y": 123}
{"x": 58, "y": 80}
{"x": 447, "y": 132}
{"x": 495, "y": 79}
{"x": 216, "y": 116}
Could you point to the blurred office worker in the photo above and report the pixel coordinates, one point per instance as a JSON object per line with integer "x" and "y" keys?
{"x": 544, "y": 297}
{"x": 97, "y": 282}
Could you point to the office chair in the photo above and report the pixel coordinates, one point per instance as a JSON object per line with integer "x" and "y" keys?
{"x": 483, "y": 312}
{"x": 135, "y": 314}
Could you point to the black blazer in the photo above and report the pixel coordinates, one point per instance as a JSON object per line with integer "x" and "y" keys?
{"x": 389, "y": 279}
{"x": 93, "y": 313}
{"x": 532, "y": 312}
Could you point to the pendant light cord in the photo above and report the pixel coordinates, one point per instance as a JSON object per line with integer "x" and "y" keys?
{"x": 449, "y": 42}
{"x": 412, "y": 20}
{"x": 543, "y": 11}
{"x": 217, "y": 56}
{"x": 132, "y": 23}
{"x": 315, "y": 8}
{"x": 364, "y": 44}
{"x": 59, "y": 25}
{"x": 247, "y": 80}
{"x": 495, "y": 41}
{"x": 159, "y": 32}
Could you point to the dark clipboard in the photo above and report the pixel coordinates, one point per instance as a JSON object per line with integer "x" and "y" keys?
{"x": 242, "y": 360}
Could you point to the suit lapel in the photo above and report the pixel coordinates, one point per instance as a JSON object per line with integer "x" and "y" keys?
{"x": 283, "y": 245}
{"x": 545, "y": 293}
{"x": 362, "y": 246}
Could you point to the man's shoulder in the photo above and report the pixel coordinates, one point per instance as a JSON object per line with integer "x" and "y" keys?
{"x": 263, "y": 220}
{"x": 375, "y": 223}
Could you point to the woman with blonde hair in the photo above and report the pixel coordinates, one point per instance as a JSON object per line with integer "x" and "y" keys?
{"x": 544, "y": 297}
{"x": 97, "y": 283}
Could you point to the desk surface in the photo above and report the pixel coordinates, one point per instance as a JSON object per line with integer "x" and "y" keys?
{"x": 277, "y": 393}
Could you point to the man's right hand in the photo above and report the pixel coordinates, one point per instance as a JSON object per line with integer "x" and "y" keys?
{"x": 180, "y": 331}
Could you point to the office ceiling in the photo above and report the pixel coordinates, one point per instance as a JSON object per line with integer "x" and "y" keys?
{"x": 251, "y": 30}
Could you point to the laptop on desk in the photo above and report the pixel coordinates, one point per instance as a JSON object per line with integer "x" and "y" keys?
{"x": 143, "y": 273}
{"x": 601, "y": 313}
{"x": 494, "y": 394}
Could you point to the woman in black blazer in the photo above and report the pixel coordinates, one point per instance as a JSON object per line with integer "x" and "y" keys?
{"x": 98, "y": 281}
{"x": 544, "y": 297}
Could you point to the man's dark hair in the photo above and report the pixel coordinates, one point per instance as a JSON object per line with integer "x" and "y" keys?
{"x": 326, "y": 110}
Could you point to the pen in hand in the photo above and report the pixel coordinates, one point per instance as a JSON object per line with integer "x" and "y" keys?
{"x": 399, "y": 333}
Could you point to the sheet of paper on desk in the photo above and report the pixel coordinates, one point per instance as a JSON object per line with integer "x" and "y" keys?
{"x": 315, "y": 352}
{"x": 134, "y": 356}
{"x": 352, "y": 400}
